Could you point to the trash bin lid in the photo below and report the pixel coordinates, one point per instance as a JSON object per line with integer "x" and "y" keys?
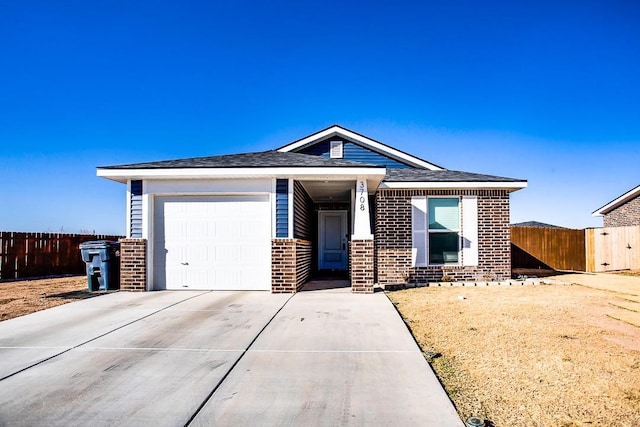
{"x": 94, "y": 244}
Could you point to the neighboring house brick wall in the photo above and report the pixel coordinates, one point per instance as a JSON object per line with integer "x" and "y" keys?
{"x": 624, "y": 215}
{"x": 393, "y": 238}
{"x": 290, "y": 264}
{"x": 133, "y": 265}
{"x": 361, "y": 255}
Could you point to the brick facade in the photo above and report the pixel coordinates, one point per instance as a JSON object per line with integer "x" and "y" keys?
{"x": 386, "y": 260}
{"x": 290, "y": 264}
{"x": 624, "y": 215}
{"x": 361, "y": 258}
{"x": 393, "y": 238}
{"x": 133, "y": 265}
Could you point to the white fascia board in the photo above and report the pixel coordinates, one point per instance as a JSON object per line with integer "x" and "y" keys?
{"x": 455, "y": 185}
{"x": 617, "y": 202}
{"x": 123, "y": 175}
{"x": 337, "y": 130}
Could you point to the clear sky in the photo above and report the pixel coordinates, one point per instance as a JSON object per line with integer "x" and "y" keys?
{"x": 547, "y": 91}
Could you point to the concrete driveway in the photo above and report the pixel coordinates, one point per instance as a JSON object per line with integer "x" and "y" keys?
{"x": 218, "y": 358}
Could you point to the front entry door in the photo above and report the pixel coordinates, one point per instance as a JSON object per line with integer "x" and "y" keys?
{"x": 332, "y": 238}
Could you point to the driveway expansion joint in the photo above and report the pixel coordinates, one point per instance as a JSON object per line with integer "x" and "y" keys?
{"x": 245, "y": 351}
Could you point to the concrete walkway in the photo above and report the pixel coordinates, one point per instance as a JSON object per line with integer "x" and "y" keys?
{"x": 218, "y": 358}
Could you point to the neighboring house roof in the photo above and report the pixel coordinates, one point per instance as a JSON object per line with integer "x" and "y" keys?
{"x": 372, "y": 144}
{"x": 263, "y": 159}
{"x": 535, "y": 224}
{"x": 631, "y": 194}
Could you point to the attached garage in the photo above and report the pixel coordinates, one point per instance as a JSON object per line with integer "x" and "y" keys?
{"x": 212, "y": 242}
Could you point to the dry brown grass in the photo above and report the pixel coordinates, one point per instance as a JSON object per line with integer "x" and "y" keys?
{"x": 633, "y": 273}
{"x": 545, "y": 355}
{"x": 28, "y": 296}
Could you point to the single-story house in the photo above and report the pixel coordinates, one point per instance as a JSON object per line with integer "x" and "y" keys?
{"x": 623, "y": 211}
{"x": 334, "y": 201}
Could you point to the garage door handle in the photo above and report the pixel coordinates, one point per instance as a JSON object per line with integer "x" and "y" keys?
{"x": 184, "y": 263}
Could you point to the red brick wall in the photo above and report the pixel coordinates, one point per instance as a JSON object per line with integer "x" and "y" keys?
{"x": 361, "y": 256}
{"x": 393, "y": 238}
{"x": 625, "y": 215}
{"x": 133, "y": 265}
{"x": 290, "y": 264}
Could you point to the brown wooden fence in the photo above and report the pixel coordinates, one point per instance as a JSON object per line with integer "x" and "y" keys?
{"x": 613, "y": 248}
{"x": 42, "y": 254}
{"x": 555, "y": 248}
{"x": 593, "y": 250}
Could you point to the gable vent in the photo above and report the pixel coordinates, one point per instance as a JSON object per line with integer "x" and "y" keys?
{"x": 336, "y": 150}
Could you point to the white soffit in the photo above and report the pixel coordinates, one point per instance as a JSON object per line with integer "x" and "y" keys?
{"x": 375, "y": 145}
{"x": 123, "y": 175}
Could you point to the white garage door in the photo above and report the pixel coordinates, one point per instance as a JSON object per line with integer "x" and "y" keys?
{"x": 220, "y": 243}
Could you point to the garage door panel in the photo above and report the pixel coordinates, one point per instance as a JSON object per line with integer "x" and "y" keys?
{"x": 212, "y": 243}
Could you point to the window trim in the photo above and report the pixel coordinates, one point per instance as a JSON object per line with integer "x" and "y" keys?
{"x": 426, "y": 262}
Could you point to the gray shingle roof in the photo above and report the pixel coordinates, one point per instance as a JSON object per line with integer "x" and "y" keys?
{"x": 426, "y": 175}
{"x": 272, "y": 158}
{"x": 263, "y": 159}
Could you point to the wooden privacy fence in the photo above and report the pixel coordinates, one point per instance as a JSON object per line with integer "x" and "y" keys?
{"x": 613, "y": 248}
{"x": 42, "y": 254}
{"x": 593, "y": 250}
{"x": 555, "y": 248}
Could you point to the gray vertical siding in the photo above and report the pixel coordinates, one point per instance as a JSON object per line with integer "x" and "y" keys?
{"x": 136, "y": 209}
{"x": 282, "y": 208}
{"x": 302, "y": 213}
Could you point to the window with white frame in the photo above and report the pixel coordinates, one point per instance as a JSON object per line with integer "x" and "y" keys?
{"x": 444, "y": 230}
{"x": 437, "y": 234}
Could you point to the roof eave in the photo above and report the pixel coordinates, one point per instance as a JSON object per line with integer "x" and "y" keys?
{"x": 631, "y": 194}
{"x": 444, "y": 185}
{"x": 308, "y": 172}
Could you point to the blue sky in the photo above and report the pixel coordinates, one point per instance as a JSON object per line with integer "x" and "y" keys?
{"x": 546, "y": 91}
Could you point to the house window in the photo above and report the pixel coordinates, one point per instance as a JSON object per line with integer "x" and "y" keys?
{"x": 335, "y": 151}
{"x": 436, "y": 230}
{"x": 444, "y": 230}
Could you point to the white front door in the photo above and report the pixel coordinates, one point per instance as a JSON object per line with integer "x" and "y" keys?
{"x": 332, "y": 240}
{"x": 212, "y": 242}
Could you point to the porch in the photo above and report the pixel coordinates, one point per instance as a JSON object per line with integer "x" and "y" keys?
{"x": 324, "y": 232}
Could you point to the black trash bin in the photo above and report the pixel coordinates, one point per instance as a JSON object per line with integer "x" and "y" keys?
{"x": 102, "y": 258}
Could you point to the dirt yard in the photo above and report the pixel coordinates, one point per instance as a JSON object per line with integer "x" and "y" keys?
{"x": 536, "y": 355}
{"x": 28, "y": 296}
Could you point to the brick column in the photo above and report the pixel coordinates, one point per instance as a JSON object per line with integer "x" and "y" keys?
{"x": 283, "y": 266}
{"x": 290, "y": 264}
{"x": 361, "y": 257}
{"x": 133, "y": 265}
